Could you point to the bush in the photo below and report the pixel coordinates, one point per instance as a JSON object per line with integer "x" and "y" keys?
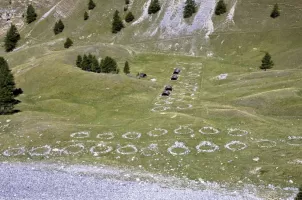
{"x": 129, "y": 17}
{"x": 68, "y": 43}
{"x": 190, "y": 8}
{"x": 220, "y": 8}
{"x": 154, "y": 7}
{"x": 11, "y": 39}
{"x": 91, "y": 5}
{"x": 117, "y": 24}
{"x": 275, "y": 13}
{"x": 86, "y": 16}
{"x": 267, "y": 63}
{"x": 59, "y": 27}
{"x": 30, "y": 14}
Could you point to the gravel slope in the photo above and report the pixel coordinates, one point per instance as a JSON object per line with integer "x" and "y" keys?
{"x": 36, "y": 181}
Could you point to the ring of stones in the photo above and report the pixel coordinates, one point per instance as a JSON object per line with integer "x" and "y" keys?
{"x": 33, "y": 152}
{"x": 182, "y": 108}
{"x": 82, "y": 134}
{"x": 178, "y": 145}
{"x": 293, "y": 138}
{"x": 188, "y": 130}
{"x": 66, "y": 151}
{"x": 105, "y": 136}
{"x": 228, "y": 146}
{"x": 163, "y": 132}
{"x": 213, "y": 146}
{"x": 269, "y": 145}
{"x": 215, "y": 131}
{"x": 120, "y": 149}
{"x": 160, "y": 108}
{"x": 11, "y": 152}
{"x": 241, "y": 132}
{"x": 132, "y": 135}
{"x": 101, "y": 145}
{"x": 151, "y": 150}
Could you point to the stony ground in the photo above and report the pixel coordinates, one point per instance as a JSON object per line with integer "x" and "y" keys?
{"x": 53, "y": 181}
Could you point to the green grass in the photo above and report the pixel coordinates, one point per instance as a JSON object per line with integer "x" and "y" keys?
{"x": 60, "y": 99}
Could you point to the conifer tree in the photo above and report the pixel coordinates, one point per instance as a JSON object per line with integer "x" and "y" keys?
{"x": 117, "y": 24}
{"x": 91, "y": 5}
{"x": 299, "y": 195}
{"x": 127, "y": 2}
{"x": 190, "y": 8}
{"x": 276, "y": 12}
{"x": 31, "y": 14}
{"x": 79, "y": 61}
{"x": 59, "y": 27}
{"x": 68, "y": 43}
{"x": 154, "y": 7}
{"x": 129, "y": 17}
{"x": 126, "y": 68}
{"x": 11, "y": 39}
{"x": 85, "y": 63}
{"x": 109, "y": 65}
{"x": 220, "y": 8}
{"x": 267, "y": 62}
{"x": 86, "y": 16}
{"x": 7, "y": 87}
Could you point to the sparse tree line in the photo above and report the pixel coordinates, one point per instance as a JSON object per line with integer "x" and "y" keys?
{"x": 107, "y": 65}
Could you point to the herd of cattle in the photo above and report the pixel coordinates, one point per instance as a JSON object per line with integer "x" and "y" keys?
{"x": 168, "y": 88}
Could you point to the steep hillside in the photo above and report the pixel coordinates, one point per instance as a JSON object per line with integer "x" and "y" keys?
{"x": 226, "y": 121}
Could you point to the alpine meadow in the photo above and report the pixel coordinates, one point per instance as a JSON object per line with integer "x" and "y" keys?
{"x": 205, "y": 91}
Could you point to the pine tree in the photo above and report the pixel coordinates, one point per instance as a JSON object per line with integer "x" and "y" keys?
{"x": 117, "y": 24}
{"x": 126, "y": 68}
{"x": 11, "y": 39}
{"x": 7, "y": 87}
{"x": 129, "y": 17}
{"x": 267, "y": 62}
{"x": 275, "y": 13}
{"x": 190, "y": 8}
{"x": 59, "y": 27}
{"x": 220, "y": 8}
{"x": 299, "y": 195}
{"x": 91, "y": 5}
{"x": 31, "y": 14}
{"x": 68, "y": 43}
{"x": 154, "y": 7}
{"x": 85, "y": 63}
{"x": 79, "y": 61}
{"x": 109, "y": 65}
{"x": 127, "y": 2}
{"x": 86, "y": 16}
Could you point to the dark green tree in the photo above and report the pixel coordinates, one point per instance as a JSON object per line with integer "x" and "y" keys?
{"x": 85, "y": 63}
{"x": 79, "y": 61}
{"x": 109, "y": 65}
{"x": 276, "y": 12}
{"x": 267, "y": 62}
{"x": 190, "y": 8}
{"x": 220, "y": 8}
{"x": 126, "y": 68}
{"x": 299, "y": 195}
{"x": 11, "y": 39}
{"x": 127, "y": 2}
{"x": 31, "y": 14}
{"x": 154, "y": 7}
{"x": 7, "y": 87}
{"x": 117, "y": 24}
{"x": 59, "y": 27}
{"x": 129, "y": 17}
{"x": 91, "y": 5}
{"x": 68, "y": 43}
{"x": 86, "y": 16}
{"x": 125, "y": 8}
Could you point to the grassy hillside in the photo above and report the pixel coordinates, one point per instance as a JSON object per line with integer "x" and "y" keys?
{"x": 225, "y": 121}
